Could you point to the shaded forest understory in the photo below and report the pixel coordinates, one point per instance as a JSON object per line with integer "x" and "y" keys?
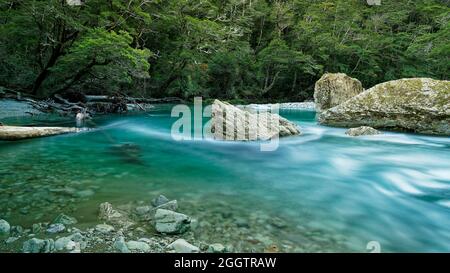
{"x": 258, "y": 50}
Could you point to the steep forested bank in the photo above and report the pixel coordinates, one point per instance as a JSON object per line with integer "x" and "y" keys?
{"x": 231, "y": 49}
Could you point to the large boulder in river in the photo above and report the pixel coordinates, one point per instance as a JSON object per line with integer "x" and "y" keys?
{"x": 335, "y": 88}
{"x": 419, "y": 105}
{"x": 231, "y": 123}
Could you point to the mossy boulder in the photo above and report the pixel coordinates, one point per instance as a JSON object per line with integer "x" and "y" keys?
{"x": 335, "y": 88}
{"x": 420, "y": 105}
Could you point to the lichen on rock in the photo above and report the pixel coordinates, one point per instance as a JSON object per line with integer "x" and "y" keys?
{"x": 335, "y": 88}
{"x": 420, "y": 105}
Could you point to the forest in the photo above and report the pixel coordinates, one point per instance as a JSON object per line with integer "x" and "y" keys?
{"x": 250, "y": 50}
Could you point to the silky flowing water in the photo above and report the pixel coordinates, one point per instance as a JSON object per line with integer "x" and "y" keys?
{"x": 321, "y": 191}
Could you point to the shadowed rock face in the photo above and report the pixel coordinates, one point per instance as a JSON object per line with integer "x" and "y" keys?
{"x": 419, "y": 105}
{"x": 334, "y": 89}
{"x": 231, "y": 123}
{"x": 18, "y": 133}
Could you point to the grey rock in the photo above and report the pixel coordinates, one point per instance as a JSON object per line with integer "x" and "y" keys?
{"x": 56, "y": 228}
{"x": 248, "y": 126}
{"x": 104, "y": 228}
{"x": 35, "y": 245}
{"x": 216, "y": 248}
{"x": 107, "y": 212}
{"x": 137, "y": 246}
{"x": 242, "y": 223}
{"x": 333, "y": 89}
{"x": 171, "y": 205}
{"x": 143, "y": 210}
{"x": 11, "y": 240}
{"x": 170, "y": 222}
{"x": 120, "y": 245}
{"x": 160, "y": 200}
{"x": 4, "y": 227}
{"x": 64, "y": 243}
{"x": 16, "y": 231}
{"x": 182, "y": 246}
{"x": 65, "y": 220}
{"x": 362, "y": 131}
{"x": 418, "y": 105}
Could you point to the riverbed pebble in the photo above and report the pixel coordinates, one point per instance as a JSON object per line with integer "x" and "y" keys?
{"x": 182, "y": 246}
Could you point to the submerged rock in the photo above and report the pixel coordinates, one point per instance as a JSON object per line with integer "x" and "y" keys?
{"x": 38, "y": 246}
{"x": 106, "y": 212}
{"x": 333, "y": 89}
{"x": 231, "y": 123}
{"x": 65, "y": 220}
{"x": 56, "y": 228}
{"x": 160, "y": 200}
{"x": 182, "y": 246}
{"x": 362, "y": 131}
{"x": 104, "y": 228}
{"x": 170, "y": 222}
{"x": 4, "y": 227}
{"x": 419, "y": 105}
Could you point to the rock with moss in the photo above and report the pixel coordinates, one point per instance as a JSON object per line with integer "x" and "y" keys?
{"x": 420, "y": 105}
{"x": 335, "y": 88}
{"x": 233, "y": 124}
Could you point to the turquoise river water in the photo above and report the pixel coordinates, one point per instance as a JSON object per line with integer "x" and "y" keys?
{"x": 321, "y": 191}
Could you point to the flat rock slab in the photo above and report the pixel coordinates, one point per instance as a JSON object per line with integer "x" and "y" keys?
{"x": 11, "y": 133}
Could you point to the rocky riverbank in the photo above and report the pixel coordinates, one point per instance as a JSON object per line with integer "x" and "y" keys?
{"x": 159, "y": 226}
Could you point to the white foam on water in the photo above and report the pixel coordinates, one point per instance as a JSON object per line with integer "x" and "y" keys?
{"x": 445, "y": 203}
{"x": 401, "y": 183}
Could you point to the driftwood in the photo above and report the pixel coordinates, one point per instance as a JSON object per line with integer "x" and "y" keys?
{"x": 66, "y": 104}
{"x": 100, "y": 98}
{"x": 11, "y": 133}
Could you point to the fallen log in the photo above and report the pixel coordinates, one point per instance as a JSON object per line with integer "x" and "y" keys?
{"x": 10, "y": 133}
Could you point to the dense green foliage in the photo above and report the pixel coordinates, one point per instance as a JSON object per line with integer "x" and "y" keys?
{"x": 232, "y": 49}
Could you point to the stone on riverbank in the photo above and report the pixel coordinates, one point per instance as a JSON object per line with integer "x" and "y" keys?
{"x": 182, "y": 246}
{"x": 418, "y": 105}
{"x": 35, "y": 245}
{"x": 333, "y": 89}
{"x": 231, "y": 123}
{"x": 137, "y": 246}
{"x": 10, "y": 133}
{"x": 120, "y": 245}
{"x": 216, "y": 248}
{"x": 362, "y": 131}
{"x": 56, "y": 228}
{"x": 4, "y": 227}
{"x": 170, "y": 222}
